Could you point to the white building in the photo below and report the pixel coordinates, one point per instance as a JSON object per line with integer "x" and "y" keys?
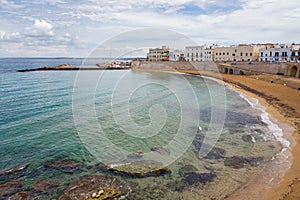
{"x": 278, "y": 53}
{"x": 198, "y": 53}
{"x": 176, "y": 55}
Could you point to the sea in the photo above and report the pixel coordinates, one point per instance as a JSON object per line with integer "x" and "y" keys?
{"x": 212, "y": 138}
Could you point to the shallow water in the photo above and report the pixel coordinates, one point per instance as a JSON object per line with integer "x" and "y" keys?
{"x": 46, "y": 116}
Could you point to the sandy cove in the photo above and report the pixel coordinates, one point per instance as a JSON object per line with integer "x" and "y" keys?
{"x": 281, "y": 97}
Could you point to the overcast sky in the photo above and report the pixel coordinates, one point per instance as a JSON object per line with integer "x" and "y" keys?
{"x": 59, "y": 28}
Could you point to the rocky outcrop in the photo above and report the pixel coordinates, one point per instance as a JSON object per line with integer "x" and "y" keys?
{"x": 21, "y": 196}
{"x": 143, "y": 168}
{"x": 45, "y": 186}
{"x": 13, "y": 172}
{"x": 10, "y": 188}
{"x": 95, "y": 187}
{"x": 65, "y": 165}
{"x": 161, "y": 150}
{"x": 238, "y": 162}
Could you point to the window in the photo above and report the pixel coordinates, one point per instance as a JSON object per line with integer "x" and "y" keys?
{"x": 223, "y": 53}
{"x": 246, "y": 54}
{"x": 233, "y": 54}
{"x": 250, "y": 54}
{"x": 241, "y": 53}
{"x": 270, "y": 54}
{"x": 227, "y": 53}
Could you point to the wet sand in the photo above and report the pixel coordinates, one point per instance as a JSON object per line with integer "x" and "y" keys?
{"x": 281, "y": 98}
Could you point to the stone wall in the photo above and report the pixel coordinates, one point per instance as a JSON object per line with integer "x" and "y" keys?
{"x": 287, "y": 69}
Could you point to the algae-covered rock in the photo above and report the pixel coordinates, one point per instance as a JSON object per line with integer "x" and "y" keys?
{"x": 45, "y": 186}
{"x": 95, "y": 187}
{"x": 235, "y": 162}
{"x": 10, "y": 188}
{"x": 13, "y": 172}
{"x": 21, "y": 196}
{"x": 142, "y": 168}
{"x": 65, "y": 165}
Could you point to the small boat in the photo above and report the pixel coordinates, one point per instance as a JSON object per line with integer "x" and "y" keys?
{"x": 199, "y": 129}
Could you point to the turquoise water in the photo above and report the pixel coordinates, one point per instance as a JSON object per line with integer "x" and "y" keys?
{"x": 39, "y": 124}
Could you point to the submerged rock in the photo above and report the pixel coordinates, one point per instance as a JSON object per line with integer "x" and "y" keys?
{"x": 215, "y": 153}
{"x": 135, "y": 155}
{"x": 255, "y": 161}
{"x": 194, "y": 178}
{"x": 161, "y": 150}
{"x": 10, "y": 188}
{"x": 13, "y": 172}
{"x": 236, "y": 162}
{"x": 184, "y": 170}
{"x": 95, "y": 187}
{"x": 248, "y": 138}
{"x": 21, "y": 196}
{"x": 65, "y": 165}
{"x": 45, "y": 186}
{"x": 143, "y": 168}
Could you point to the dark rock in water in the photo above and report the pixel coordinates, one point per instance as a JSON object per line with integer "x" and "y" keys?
{"x": 247, "y": 138}
{"x": 238, "y": 162}
{"x": 255, "y": 161}
{"x": 231, "y": 116}
{"x": 45, "y": 186}
{"x": 161, "y": 150}
{"x": 183, "y": 171}
{"x": 143, "y": 168}
{"x": 235, "y": 162}
{"x": 65, "y": 165}
{"x": 21, "y": 196}
{"x": 96, "y": 187}
{"x": 135, "y": 155}
{"x": 10, "y": 188}
{"x": 13, "y": 172}
{"x": 215, "y": 153}
{"x": 196, "y": 178}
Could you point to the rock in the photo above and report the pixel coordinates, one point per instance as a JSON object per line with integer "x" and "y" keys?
{"x": 161, "y": 150}
{"x": 135, "y": 155}
{"x": 215, "y": 153}
{"x": 65, "y": 165}
{"x": 255, "y": 161}
{"x": 45, "y": 186}
{"x": 142, "y": 168}
{"x": 193, "y": 178}
{"x": 248, "y": 138}
{"x": 10, "y": 188}
{"x": 102, "y": 187}
{"x": 183, "y": 171}
{"x": 235, "y": 162}
{"x": 13, "y": 172}
{"x": 21, "y": 196}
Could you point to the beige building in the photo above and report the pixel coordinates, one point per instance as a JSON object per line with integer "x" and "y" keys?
{"x": 237, "y": 53}
{"x": 158, "y": 54}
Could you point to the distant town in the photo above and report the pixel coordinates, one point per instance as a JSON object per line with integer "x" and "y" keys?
{"x": 273, "y": 53}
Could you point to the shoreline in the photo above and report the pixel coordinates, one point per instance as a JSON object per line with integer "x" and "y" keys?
{"x": 280, "y": 103}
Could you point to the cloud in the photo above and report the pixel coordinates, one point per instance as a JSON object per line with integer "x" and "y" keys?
{"x": 40, "y": 28}
{"x": 2, "y": 35}
{"x": 9, "y": 5}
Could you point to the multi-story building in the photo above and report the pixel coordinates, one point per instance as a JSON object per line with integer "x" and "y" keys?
{"x": 295, "y": 55}
{"x": 278, "y": 53}
{"x": 158, "y": 54}
{"x": 176, "y": 55}
{"x": 237, "y": 53}
{"x": 199, "y": 53}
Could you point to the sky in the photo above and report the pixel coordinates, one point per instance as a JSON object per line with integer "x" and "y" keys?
{"x": 61, "y": 28}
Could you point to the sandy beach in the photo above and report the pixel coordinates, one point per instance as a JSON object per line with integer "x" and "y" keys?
{"x": 280, "y": 96}
{"x": 282, "y": 102}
